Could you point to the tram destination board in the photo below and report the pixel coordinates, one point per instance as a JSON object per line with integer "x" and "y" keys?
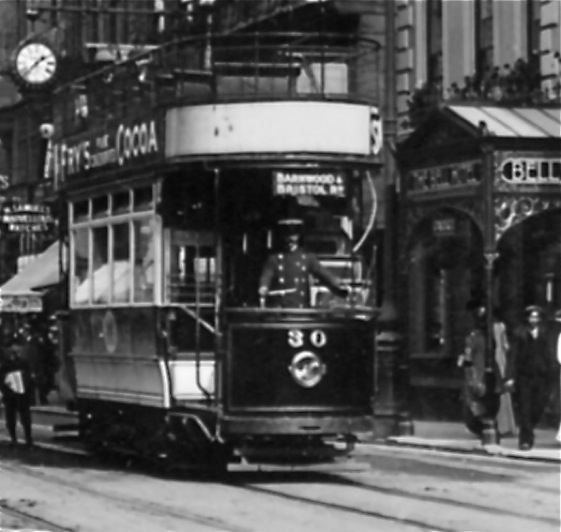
{"x": 305, "y": 183}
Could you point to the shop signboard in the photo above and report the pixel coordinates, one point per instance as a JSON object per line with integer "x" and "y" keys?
{"x": 444, "y": 177}
{"x": 21, "y": 303}
{"x": 531, "y": 171}
{"x": 17, "y": 217}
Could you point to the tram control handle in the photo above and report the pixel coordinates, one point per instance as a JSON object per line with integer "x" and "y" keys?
{"x": 285, "y": 291}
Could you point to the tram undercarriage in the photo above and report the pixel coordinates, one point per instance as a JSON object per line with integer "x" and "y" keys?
{"x": 193, "y": 438}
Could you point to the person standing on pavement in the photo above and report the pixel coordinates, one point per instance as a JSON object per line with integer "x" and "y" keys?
{"x": 506, "y": 423}
{"x": 16, "y": 388}
{"x": 479, "y": 402}
{"x": 556, "y": 341}
{"x": 529, "y": 371}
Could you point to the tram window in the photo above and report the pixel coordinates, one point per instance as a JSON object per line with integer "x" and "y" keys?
{"x": 80, "y": 281}
{"x": 121, "y": 263}
{"x": 143, "y": 261}
{"x": 143, "y": 199}
{"x": 80, "y": 210}
{"x": 100, "y": 206}
{"x": 192, "y": 267}
{"x": 100, "y": 266}
{"x": 120, "y": 202}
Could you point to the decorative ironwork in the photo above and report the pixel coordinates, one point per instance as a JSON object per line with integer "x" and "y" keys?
{"x": 512, "y": 211}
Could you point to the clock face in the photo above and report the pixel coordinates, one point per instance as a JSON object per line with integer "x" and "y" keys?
{"x": 35, "y": 63}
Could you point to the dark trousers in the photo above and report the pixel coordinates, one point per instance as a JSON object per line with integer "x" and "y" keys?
{"x": 533, "y": 394}
{"x": 15, "y": 404}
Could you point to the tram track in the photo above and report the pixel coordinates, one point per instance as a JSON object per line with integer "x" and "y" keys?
{"x": 339, "y": 480}
{"x": 277, "y": 484}
{"x": 129, "y": 503}
{"x": 10, "y": 513}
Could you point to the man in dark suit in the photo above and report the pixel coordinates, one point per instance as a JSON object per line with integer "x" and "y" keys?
{"x": 530, "y": 370}
{"x": 16, "y": 388}
{"x": 286, "y": 274}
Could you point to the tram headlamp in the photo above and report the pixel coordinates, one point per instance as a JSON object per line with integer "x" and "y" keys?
{"x": 307, "y": 369}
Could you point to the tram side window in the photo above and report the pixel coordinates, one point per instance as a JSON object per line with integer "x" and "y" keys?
{"x": 192, "y": 267}
{"x": 121, "y": 263}
{"x": 81, "y": 285}
{"x": 101, "y": 279}
{"x": 143, "y": 261}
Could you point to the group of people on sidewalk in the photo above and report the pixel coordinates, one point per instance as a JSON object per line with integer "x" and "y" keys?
{"x": 28, "y": 365}
{"x": 526, "y": 365}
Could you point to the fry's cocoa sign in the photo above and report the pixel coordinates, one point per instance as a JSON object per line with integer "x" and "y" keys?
{"x": 126, "y": 144}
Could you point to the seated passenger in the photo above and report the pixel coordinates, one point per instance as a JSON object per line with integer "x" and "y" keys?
{"x": 288, "y": 272}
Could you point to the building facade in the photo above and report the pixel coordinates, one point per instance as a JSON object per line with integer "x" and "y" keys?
{"x": 480, "y": 188}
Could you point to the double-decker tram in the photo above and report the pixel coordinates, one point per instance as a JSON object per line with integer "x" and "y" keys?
{"x": 173, "y": 212}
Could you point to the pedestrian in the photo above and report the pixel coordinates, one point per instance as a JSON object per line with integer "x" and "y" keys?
{"x": 506, "y": 423}
{"x": 16, "y": 389}
{"x": 529, "y": 370}
{"x": 556, "y": 341}
{"x": 482, "y": 388}
{"x": 40, "y": 358}
{"x": 285, "y": 279}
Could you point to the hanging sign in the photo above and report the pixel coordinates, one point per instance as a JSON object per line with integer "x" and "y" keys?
{"x": 301, "y": 183}
{"x": 26, "y": 217}
{"x": 531, "y": 171}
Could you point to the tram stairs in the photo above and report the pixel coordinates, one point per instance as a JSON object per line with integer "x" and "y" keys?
{"x": 56, "y": 419}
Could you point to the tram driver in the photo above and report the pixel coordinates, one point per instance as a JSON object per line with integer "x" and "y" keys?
{"x": 285, "y": 278}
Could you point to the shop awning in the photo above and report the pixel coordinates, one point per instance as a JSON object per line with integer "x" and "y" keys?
{"x": 22, "y": 293}
{"x": 513, "y": 122}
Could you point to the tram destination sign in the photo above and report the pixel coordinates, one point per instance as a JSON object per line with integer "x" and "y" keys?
{"x": 303, "y": 183}
{"x": 124, "y": 144}
{"x": 531, "y": 171}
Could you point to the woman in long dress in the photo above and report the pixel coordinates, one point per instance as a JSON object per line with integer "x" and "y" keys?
{"x": 506, "y": 423}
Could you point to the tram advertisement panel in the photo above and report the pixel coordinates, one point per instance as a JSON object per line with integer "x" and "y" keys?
{"x": 121, "y": 144}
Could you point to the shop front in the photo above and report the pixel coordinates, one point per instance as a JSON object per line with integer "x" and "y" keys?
{"x": 480, "y": 224}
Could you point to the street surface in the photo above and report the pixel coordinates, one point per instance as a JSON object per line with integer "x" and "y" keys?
{"x": 382, "y": 489}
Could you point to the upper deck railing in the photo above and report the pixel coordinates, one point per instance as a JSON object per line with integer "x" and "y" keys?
{"x": 221, "y": 68}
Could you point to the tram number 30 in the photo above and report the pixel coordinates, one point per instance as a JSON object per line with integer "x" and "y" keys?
{"x": 296, "y": 338}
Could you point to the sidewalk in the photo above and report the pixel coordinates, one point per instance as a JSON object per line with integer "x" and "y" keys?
{"x": 455, "y": 437}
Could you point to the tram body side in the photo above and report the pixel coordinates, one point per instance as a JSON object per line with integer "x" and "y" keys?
{"x": 276, "y": 391}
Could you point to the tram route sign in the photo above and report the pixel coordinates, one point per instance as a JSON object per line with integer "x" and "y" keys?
{"x": 305, "y": 183}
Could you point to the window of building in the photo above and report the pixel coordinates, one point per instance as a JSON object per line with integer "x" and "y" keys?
{"x": 434, "y": 41}
{"x": 484, "y": 38}
{"x": 533, "y": 17}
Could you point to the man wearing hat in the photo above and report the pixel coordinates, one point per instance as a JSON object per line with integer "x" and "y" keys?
{"x": 16, "y": 390}
{"x": 530, "y": 369}
{"x": 286, "y": 274}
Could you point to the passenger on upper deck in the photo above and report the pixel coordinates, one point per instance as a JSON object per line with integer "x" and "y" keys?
{"x": 286, "y": 274}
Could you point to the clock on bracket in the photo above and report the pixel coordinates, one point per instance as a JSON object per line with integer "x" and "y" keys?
{"x": 34, "y": 65}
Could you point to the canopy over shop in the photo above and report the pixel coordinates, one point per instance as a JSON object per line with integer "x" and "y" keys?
{"x": 25, "y": 292}
{"x": 481, "y": 222}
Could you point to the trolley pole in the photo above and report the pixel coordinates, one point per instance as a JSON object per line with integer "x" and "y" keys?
{"x": 490, "y": 433}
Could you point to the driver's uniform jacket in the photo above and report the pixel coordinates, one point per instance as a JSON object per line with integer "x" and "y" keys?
{"x": 291, "y": 270}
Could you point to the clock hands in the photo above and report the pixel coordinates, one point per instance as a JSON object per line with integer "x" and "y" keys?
{"x": 34, "y": 65}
